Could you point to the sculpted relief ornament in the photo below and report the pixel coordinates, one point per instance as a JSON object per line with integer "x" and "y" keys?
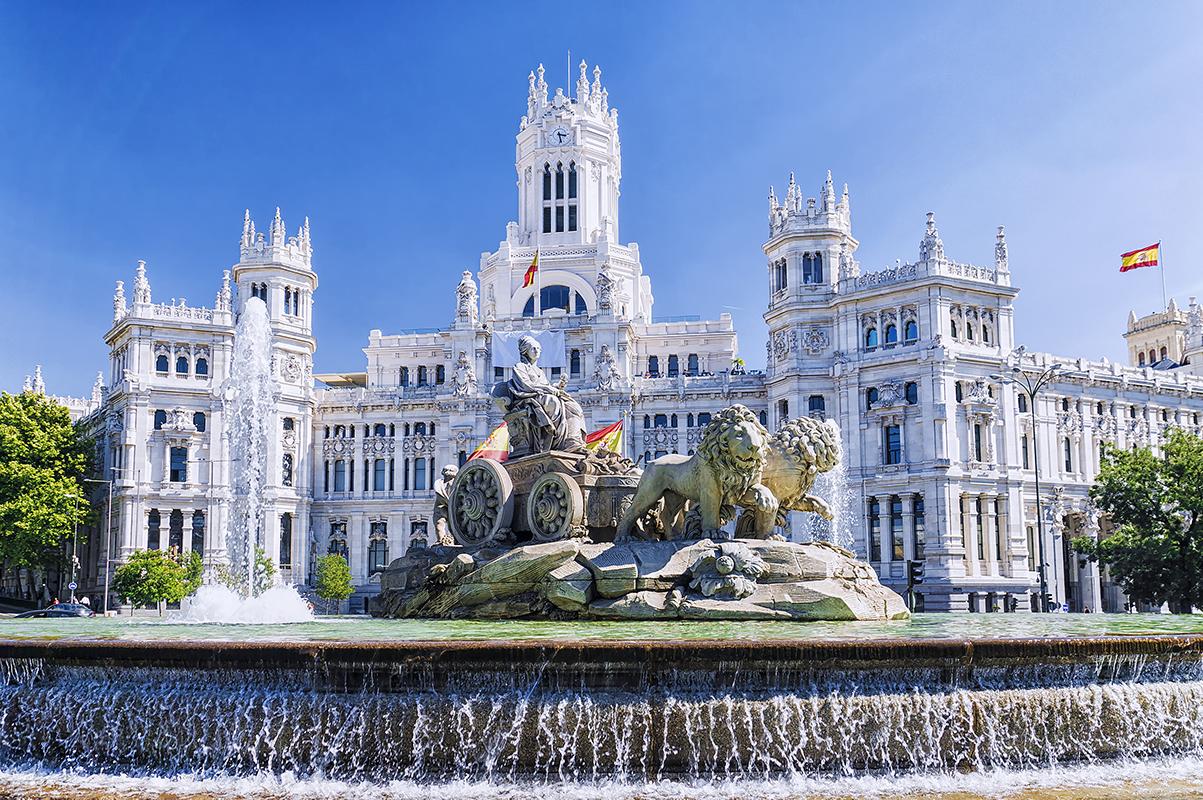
{"x": 815, "y": 341}
{"x": 465, "y": 377}
{"x": 606, "y": 372}
{"x": 465, "y": 299}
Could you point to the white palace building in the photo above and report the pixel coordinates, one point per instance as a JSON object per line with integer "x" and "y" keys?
{"x": 940, "y": 455}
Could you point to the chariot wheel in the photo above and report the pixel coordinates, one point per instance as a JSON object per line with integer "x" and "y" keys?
{"x": 481, "y": 502}
{"x": 555, "y": 508}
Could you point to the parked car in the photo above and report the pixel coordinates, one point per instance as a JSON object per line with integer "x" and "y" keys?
{"x": 59, "y": 610}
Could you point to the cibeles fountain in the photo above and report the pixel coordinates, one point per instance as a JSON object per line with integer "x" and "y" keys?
{"x": 561, "y": 531}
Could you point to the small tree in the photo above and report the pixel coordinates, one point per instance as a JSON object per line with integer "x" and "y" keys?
{"x": 265, "y": 575}
{"x": 1156, "y": 502}
{"x": 332, "y": 579}
{"x": 154, "y": 576}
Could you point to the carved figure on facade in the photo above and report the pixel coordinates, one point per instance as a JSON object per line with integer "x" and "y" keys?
{"x": 980, "y": 393}
{"x": 725, "y": 474}
{"x": 541, "y": 416}
{"x": 120, "y": 309}
{"x": 890, "y": 393}
{"x": 605, "y": 289}
{"x": 464, "y": 379}
{"x": 224, "y": 294}
{"x": 931, "y": 248}
{"x": 465, "y": 299}
{"x": 605, "y": 371}
{"x": 442, "y": 493}
{"x": 141, "y": 285}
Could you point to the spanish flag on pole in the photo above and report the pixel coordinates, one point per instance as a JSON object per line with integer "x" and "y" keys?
{"x": 496, "y": 447}
{"x": 529, "y": 277}
{"x": 607, "y": 438}
{"x": 1144, "y": 257}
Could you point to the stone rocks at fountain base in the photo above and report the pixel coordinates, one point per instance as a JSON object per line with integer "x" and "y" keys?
{"x": 744, "y": 579}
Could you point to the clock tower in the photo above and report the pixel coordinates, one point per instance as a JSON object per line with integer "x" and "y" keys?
{"x": 569, "y": 163}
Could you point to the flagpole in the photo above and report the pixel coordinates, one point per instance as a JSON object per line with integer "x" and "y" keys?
{"x": 1161, "y": 262}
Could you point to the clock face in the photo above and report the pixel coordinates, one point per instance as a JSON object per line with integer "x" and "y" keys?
{"x": 559, "y": 136}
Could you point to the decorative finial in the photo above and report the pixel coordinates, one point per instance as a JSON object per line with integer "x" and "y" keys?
{"x": 39, "y": 385}
{"x": 931, "y": 248}
{"x": 141, "y": 284}
{"x": 98, "y": 389}
{"x": 119, "y": 307}
{"x": 1000, "y": 249}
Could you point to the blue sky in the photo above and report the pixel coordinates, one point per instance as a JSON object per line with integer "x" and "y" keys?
{"x": 142, "y": 130}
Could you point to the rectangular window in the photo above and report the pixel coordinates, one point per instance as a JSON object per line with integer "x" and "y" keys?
{"x": 896, "y": 528}
{"x": 977, "y": 442}
{"x": 1031, "y": 549}
{"x": 420, "y": 474}
{"x": 286, "y": 540}
{"x": 572, "y": 217}
{"x": 340, "y": 476}
{"x": 874, "y": 531}
{"x": 981, "y": 531}
{"x": 179, "y": 465}
{"x": 998, "y": 531}
{"x": 547, "y": 219}
{"x": 920, "y": 528}
{"x": 498, "y": 373}
{"x": 559, "y": 219}
{"x": 556, "y": 372}
{"x": 351, "y": 476}
{"x": 1023, "y": 447}
{"x": 379, "y": 475}
{"x": 893, "y": 444}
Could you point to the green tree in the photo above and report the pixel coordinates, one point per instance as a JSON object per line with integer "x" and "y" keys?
{"x": 332, "y": 579}
{"x": 151, "y": 576}
{"x": 43, "y": 460}
{"x": 265, "y": 575}
{"x": 1156, "y": 503}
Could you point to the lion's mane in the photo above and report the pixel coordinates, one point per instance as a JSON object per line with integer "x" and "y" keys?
{"x": 734, "y": 477}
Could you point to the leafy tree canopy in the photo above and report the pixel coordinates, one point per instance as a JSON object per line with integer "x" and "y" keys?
{"x": 153, "y": 575}
{"x": 42, "y": 463}
{"x": 332, "y": 578}
{"x": 1156, "y": 504}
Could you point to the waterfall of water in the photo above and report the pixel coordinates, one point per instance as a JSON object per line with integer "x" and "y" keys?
{"x": 832, "y": 487}
{"x": 271, "y": 721}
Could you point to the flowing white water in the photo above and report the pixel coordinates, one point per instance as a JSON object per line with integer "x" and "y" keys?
{"x": 249, "y": 406}
{"x": 832, "y": 487}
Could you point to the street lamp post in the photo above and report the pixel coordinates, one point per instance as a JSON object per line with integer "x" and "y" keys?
{"x": 108, "y": 534}
{"x": 74, "y": 546}
{"x": 1032, "y": 384}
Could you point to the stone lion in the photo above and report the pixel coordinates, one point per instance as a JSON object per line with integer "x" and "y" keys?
{"x": 800, "y": 451}
{"x": 725, "y": 473}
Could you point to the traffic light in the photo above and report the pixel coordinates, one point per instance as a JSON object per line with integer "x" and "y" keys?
{"x": 914, "y": 573}
{"x": 1048, "y": 602}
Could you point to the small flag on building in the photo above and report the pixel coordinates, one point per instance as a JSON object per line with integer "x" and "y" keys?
{"x": 496, "y": 447}
{"x": 529, "y": 277}
{"x": 1144, "y": 257}
{"x": 607, "y": 438}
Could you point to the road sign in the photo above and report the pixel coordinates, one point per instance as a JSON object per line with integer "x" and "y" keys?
{"x": 72, "y": 586}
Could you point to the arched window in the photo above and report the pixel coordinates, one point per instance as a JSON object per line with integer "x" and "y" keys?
{"x": 198, "y": 421}
{"x": 960, "y": 392}
{"x": 153, "y": 522}
{"x": 985, "y": 334}
{"x": 691, "y": 363}
{"x": 202, "y": 366}
{"x": 674, "y": 366}
{"x": 1164, "y": 354}
{"x": 528, "y": 310}
{"x": 419, "y": 429}
{"x": 704, "y": 419}
{"x": 689, "y": 420}
{"x": 891, "y": 334}
{"x": 1065, "y": 404}
{"x": 653, "y": 366}
{"x": 870, "y": 397}
{"x": 968, "y": 332}
{"x": 198, "y": 532}
{"x": 160, "y": 419}
{"x": 1142, "y": 359}
{"x": 660, "y": 421}
{"x": 379, "y": 429}
{"x": 647, "y": 421}
{"x": 910, "y": 331}
{"x": 162, "y": 364}
{"x": 1152, "y": 357}
{"x": 285, "y": 559}
{"x": 672, "y": 421}
{"x": 764, "y": 418}
{"x": 871, "y": 339}
{"x": 556, "y": 296}
{"x": 579, "y": 306}
{"x": 911, "y": 392}
{"x": 1023, "y": 402}
{"x": 378, "y": 548}
{"x": 574, "y": 363}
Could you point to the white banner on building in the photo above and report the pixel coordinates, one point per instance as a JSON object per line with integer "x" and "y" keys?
{"x": 505, "y": 348}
